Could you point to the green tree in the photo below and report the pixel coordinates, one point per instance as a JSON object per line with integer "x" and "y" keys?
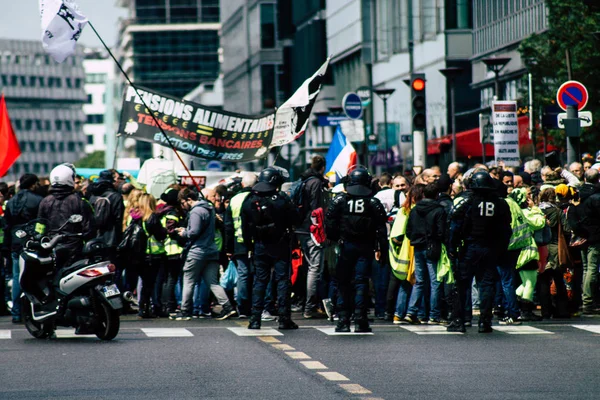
{"x": 572, "y": 25}
{"x": 93, "y": 160}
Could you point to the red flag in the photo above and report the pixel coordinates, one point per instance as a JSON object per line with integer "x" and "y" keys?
{"x": 9, "y": 146}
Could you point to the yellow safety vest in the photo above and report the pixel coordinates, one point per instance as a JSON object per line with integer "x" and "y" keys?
{"x": 154, "y": 246}
{"x": 521, "y": 232}
{"x": 172, "y": 248}
{"x": 400, "y": 256}
{"x": 236, "y": 211}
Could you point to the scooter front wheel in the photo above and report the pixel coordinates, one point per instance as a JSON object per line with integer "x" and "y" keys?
{"x": 39, "y": 330}
{"x": 108, "y": 322}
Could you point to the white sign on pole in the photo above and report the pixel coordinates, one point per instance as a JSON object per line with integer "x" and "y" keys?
{"x": 506, "y": 133}
{"x": 353, "y": 129}
{"x": 585, "y": 119}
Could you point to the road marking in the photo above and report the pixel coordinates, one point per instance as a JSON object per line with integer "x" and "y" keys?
{"x": 313, "y": 364}
{"x": 255, "y": 332}
{"x": 429, "y": 330}
{"x": 522, "y": 330}
{"x": 268, "y": 339}
{"x": 70, "y": 334}
{"x": 284, "y": 347}
{"x": 333, "y": 376}
{"x": 5, "y": 334}
{"x": 589, "y": 328}
{"x": 167, "y": 332}
{"x": 354, "y": 388}
{"x": 332, "y": 332}
{"x": 297, "y": 355}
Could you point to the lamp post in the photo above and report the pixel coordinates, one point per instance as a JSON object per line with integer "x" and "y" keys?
{"x": 496, "y": 64}
{"x": 451, "y": 73}
{"x": 384, "y": 94}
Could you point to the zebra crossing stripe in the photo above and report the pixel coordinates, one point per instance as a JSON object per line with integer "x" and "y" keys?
{"x": 332, "y": 332}
{"x": 521, "y": 330}
{"x": 5, "y": 334}
{"x": 167, "y": 332}
{"x": 70, "y": 334}
{"x": 255, "y": 332}
{"x": 429, "y": 330}
{"x": 589, "y": 328}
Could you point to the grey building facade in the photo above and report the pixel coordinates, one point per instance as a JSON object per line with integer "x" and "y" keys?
{"x": 45, "y": 103}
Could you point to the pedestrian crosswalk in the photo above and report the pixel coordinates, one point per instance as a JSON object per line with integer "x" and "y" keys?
{"x": 429, "y": 330}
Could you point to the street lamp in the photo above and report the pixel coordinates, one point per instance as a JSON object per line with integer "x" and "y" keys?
{"x": 496, "y": 64}
{"x": 451, "y": 73}
{"x": 384, "y": 94}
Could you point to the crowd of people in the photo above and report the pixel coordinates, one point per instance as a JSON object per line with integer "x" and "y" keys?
{"x": 426, "y": 248}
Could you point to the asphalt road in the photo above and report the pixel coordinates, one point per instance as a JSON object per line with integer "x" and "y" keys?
{"x": 203, "y": 359}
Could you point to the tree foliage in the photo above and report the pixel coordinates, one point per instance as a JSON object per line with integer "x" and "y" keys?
{"x": 93, "y": 160}
{"x": 571, "y": 25}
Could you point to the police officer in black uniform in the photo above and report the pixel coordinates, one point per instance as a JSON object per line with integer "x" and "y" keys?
{"x": 267, "y": 219}
{"x": 358, "y": 221}
{"x": 479, "y": 233}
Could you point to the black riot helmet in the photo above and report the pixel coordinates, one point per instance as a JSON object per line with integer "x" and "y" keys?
{"x": 482, "y": 181}
{"x": 359, "y": 182}
{"x": 270, "y": 179}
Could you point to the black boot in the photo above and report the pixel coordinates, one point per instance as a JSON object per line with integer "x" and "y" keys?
{"x": 285, "y": 322}
{"x": 485, "y": 326}
{"x": 527, "y": 313}
{"x": 361, "y": 324}
{"x": 254, "y": 322}
{"x": 343, "y": 325}
{"x": 456, "y": 325}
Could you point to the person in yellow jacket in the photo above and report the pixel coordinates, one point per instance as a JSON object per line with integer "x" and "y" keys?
{"x": 528, "y": 255}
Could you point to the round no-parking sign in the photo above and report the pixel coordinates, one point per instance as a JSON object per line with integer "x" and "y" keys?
{"x": 572, "y": 93}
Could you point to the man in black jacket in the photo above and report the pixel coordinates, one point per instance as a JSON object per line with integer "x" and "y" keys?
{"x": 21, "y": 209}
{"x": 590, "y": 228}
{"x": 426, "y": 230}
{"x": 313, "y": 197}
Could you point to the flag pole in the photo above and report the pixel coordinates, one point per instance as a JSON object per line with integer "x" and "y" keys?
{"x": 146, "y": 106}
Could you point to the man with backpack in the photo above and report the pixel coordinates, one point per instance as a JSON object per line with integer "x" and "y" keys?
{"x": 21, "y": 209}
{"x": 309, "y": 195}
{"x": 108, "y": 211}
{"x": 268, "y": 216}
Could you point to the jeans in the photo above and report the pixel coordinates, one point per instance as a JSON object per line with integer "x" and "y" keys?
{"x": 506, "y": 270}
{"x": 590, "y": 274}
{"x": 425, "y": 272}
{"x": 193, "y": 269}
{"x": 314, "y": 257}
{"x": 381, "y": 280}
{"x": 353, "y": 266}
{"x": 174, "y": 267}
{"x": 479, "y": 262}
{"x": 148, "y": 274}
{"x": 244, "y": 284}
{"x": 264, "y": 261}
{"x": 16, "y": 288}
{"x": 201, "y": 298}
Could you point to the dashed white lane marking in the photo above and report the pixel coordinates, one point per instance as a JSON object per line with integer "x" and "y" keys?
{"x": 313, "y": 364}
{"x": 70, "y": 334}
{"x": 522, "y": 330}
{"x": 284, "y": 347}
{"x": 5, "y": 334}
{"x": 589, "y": 328}
{"x": 297, "y": 355}
{"x": 333, "y": 376}
{"x": 167, "y": 332}
{"x": 255, "y": 332}
{"x": 332, "y": 332}
{"x": 429, "y": 330}
{"x": 354, "y": 388}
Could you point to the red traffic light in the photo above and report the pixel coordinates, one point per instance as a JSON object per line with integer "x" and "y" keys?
{"x": 418, "y": 84}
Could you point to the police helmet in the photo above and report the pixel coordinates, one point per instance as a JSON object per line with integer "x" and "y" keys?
{"x": 482, "y": 181}
{"x": 359, "y": 182}
{"x": 269, "y": 180}
{"x": 62, "y": 175}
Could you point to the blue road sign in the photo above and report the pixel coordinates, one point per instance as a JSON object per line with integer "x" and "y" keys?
{"x": 572, "y": 93}
{"x": 352, "y": 105}
{"x": 330, "y": 120}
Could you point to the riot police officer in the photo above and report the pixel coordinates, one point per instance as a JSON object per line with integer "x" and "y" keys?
{"x": 479, "y": 232}
{"x": 358, "y": 221}
{"x": 267, "y": 219}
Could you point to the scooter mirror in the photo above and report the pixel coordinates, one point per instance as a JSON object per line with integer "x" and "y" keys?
{"x": 75, "y": 219}
{"x": 20, "y": 234}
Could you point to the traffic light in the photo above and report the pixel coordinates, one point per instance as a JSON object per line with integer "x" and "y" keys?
{"x": 419, "y": 105}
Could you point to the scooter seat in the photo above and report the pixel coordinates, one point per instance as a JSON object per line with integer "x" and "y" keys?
{"x": 68, "y": 270}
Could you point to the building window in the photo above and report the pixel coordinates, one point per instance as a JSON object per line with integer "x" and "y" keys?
{"x": 89, "y": 99}
{"x": 50, "y": 81}
{"x": 26, "y": 168}
{"x": 28, "y": 124}
{"x": 58, "y": 82}
{"x": 95, "y": 78}
{"x": 95, "y": 119}
{"x": 268, "y": 86}
{"x": 14, "y": 80}
{"x": 58, "y": 124}
{"x": 90, "y": 139}
{"x": 267, "y": 26}
{"x": 48, "y": 125}
{"x": 77, "y": 126}
{"x": 61, "y": 146}
{"x": 52, "y": 147}
{"x": 69, "y": 82}
{"x": 77, "y": 83}
{"x": 32, "y": 80}
{"x": 459, "y": 14}
{"x": 210, "y": 11}
{"x": 17, "y": 168}
{"x": 32, "y": 146}
{"x": 4, "y": 80}
{"x": 17, "y": 123}
{"x": 36, "y": 168}
{"x": 68, "y": 126}
{"x": 42, "y": 146}
{"x": 71, "y": 146}
{"x": 42, "y": 81}
{"x": 38, "y": 125}
{"x": 23, "y": 81}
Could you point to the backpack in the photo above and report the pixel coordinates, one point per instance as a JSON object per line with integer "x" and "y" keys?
{"x": 102, "y": 213}
{"x": 263, "y": 221}
{"x": 543, "y": 236}
{"x": 297, "y": 193}
{"x": 135, "y": 240}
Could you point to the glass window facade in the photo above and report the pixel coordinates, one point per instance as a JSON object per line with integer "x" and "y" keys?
{"x": 267, "y": 26}
{"x": 176, "y": 11}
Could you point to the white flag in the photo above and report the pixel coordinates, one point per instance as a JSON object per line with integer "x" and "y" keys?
{"x": 291, "y": 119}
{"x": 62, "y": 23}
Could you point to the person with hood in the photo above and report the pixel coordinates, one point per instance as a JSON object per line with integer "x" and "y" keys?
{"x": 20, "y": 209}
{"x": 444, "y": 186}
{"x": 268, "y": 217}
{"x": 313, "y": 197}
{"x": 426, "y": 230}
{"x": 202, "y": 254}
{"x": 357, "y": 220}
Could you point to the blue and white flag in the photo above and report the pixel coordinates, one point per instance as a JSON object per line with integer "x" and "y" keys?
{"x": 62, "y": 24}
{"x": 341, "y": 155}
